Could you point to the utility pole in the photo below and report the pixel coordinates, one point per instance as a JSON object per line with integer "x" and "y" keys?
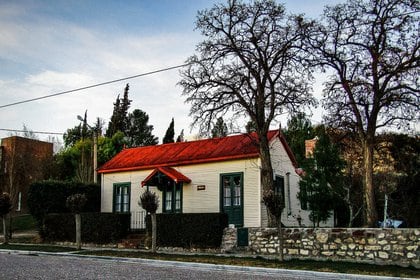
{"x": 95, "y": 157}
{"x": 95, "y": 149}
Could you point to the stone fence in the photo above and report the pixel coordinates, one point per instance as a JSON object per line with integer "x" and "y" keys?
{"x": 369, "y": 245}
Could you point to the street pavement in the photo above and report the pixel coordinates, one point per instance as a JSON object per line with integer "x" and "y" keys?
{"x": 62, "y": 266}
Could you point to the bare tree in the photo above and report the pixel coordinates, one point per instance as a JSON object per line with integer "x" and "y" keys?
{"x": 249, "y": 65}
{"x": 372, "y": 49}
{"x": 76, "y": 203}
{"x": 149, "y": 201}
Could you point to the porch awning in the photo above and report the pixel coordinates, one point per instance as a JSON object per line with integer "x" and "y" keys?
{"x": 176, "y": 176}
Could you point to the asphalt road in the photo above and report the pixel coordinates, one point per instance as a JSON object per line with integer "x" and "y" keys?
{"x": 14, "y": 265}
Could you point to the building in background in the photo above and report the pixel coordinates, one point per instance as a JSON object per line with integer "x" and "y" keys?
{"x": 22, "y": 161}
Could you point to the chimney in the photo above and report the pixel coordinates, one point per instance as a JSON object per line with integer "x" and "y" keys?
{"x": 310, "y": 147}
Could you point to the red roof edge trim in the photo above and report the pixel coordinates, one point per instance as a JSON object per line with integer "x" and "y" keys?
{"x": 187, "y": 162}
{"x": 288, "y": 149}
{"x": 168, "y": 171}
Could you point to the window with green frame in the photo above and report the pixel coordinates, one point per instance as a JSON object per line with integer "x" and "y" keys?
{"x": 172, "y": 198}
{"x": 121, "y": 198}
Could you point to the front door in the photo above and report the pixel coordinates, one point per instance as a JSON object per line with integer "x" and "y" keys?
{"x": 232, "y": 197}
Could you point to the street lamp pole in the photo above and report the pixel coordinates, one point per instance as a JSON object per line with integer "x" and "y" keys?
{"x": 95, "y": 150}
{"x": 95, "y": 156}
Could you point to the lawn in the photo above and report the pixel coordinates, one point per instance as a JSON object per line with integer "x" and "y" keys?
{"x": 37, "y": 247}
{"x": 22, "y": 223}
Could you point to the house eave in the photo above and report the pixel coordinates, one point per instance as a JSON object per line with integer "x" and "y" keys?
{"x": 179, "y": 163}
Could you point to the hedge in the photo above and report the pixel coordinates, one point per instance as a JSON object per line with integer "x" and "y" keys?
{"x": 50, "y": 196}
{"x": 99, "y": 228}
{"x": 189, "y": 230}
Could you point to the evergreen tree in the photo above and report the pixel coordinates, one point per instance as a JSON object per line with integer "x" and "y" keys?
{"x": 119, "y": 119}
{"x": 180, "y": 137}
{"x": 72, "y": 135}
{"x": 219, "y": 129}
{"x": 125, "y": 105}
{"x": 322, "y": 181}
{"x": 299, "y": 129}
{"x": 113, "y": 123}
{"x": 139, "y": 131}
{"x": 250, "y": 126}
{"x": 170, "y": 133}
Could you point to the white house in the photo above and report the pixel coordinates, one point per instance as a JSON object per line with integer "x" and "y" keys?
{"x": 204, "y": 176}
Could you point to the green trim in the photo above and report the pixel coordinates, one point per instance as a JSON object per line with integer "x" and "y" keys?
{"x": 173, "y": 200}
{"x": 221, "y": 190}
{"x": 115, "y": 186}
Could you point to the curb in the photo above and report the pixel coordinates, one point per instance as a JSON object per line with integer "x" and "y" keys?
{"x": 300, "y": 274}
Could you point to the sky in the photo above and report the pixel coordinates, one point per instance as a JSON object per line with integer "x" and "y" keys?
{"x": 47, "y": 47}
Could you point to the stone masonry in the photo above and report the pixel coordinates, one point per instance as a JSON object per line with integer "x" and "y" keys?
{"x": 368, "y": 245}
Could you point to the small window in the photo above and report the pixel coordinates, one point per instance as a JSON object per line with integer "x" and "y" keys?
{"x": 168, "y": 201}
{"x": 122, "y": 198}
{"x": 172, "y": 198}
{"x": 227, "y": 192}
{"x": 19, "y": 206}
{"x": 237, "y": 191}
{"x": 279, "y": 186}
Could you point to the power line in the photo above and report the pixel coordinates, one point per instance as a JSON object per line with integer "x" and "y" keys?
{"x": 30, "y": 131}
{"x": 92, "y": 86}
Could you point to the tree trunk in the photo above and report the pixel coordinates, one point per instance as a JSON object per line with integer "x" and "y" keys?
{"x": 280, "y": 232}
{"x": 6, "y": 238}
{"x": 154, "y": 232}
{"x": 78, "y": 231}
{"x": 267, "y": 181}
{"x": 371, "y": 214}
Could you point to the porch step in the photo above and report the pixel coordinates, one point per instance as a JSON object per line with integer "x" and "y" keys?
{"x": 133, "y": 241}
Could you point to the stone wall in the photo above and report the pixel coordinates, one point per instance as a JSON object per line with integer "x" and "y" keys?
{"x": 370, "y": 245}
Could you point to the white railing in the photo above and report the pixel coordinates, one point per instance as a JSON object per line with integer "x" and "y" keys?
{"x": 138, "y": 220}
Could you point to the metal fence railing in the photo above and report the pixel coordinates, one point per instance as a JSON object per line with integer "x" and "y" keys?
{"x": 138, "y": 220}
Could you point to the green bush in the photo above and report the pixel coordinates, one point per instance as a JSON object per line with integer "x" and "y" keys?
{"x": 99, "y": 228}
{"x": 191, "y": 230}
{"x": 50, "y": 196}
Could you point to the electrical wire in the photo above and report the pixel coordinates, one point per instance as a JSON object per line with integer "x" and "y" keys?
{"x": 92, "y": 86}
{"x": 30, "y": 131}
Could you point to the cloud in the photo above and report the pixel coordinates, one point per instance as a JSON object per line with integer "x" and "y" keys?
{"x": 60, "y": 80}
{"x": 54, "y": 56}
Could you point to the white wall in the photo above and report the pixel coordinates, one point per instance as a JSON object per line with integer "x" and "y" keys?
{"x": 281, "y": 166}
{"x": 208, "y": 200}
{"x": 195, "y": 201}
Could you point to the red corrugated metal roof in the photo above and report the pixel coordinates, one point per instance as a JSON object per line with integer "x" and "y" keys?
{"x": 184, "y": 153}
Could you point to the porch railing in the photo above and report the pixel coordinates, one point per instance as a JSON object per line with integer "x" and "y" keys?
{"x": 138, "y": 220}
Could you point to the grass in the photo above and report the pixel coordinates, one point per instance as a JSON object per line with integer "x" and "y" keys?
{"x": 35, "y": 247}
{"x": 22, "y": 223}
{"x": 324, "y": 266}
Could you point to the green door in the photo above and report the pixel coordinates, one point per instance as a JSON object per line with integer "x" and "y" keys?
{"x": 232, "y": 197}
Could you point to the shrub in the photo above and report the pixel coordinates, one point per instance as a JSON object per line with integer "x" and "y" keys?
{"x": 50, "y": 196}
{"x": 189, "y": 230}
{"x": 76, "y": 202}
{"x": 100, "y": 228}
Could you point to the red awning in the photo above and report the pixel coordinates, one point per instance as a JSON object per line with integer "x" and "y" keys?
{"x": 176, "y": 176}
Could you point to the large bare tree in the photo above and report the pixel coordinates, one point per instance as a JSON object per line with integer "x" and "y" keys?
{"x": 249, "y": 65}
{"x": 371, "y": 47}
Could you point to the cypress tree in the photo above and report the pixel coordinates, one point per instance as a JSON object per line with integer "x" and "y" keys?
{"x": 322, "y": 181}
{"x": 170, "y": 133}
{"x": 219, "y": 129}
